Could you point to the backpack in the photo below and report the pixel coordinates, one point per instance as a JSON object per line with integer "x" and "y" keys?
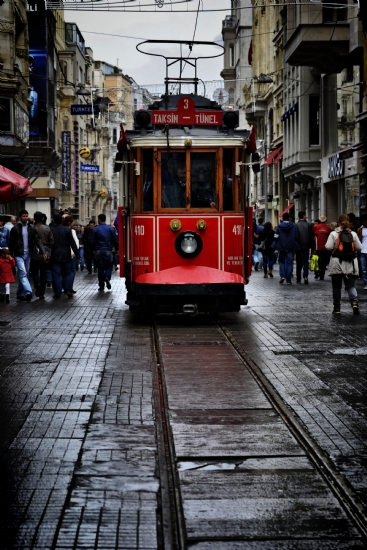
{"x": 344, "y": 246}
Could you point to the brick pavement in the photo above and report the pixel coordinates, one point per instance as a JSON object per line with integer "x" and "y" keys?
{"x": 316, "y": 362}
{"x": 77, "y": 452}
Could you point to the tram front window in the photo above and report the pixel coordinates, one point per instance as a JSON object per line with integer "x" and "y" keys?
{"x": 203, "y": 170}
{"x": 174, "y": 180}
{"x": 228, "y": 190}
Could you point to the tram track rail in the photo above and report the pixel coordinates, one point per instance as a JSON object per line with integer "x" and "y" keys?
{"x": 173, "y": 522}
{"x": 339, "y": 486}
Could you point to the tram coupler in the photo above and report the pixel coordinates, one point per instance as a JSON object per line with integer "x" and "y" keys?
{"x": 191, "y": 309}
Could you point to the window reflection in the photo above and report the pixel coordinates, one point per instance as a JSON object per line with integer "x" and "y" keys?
{"x": 174, "y": 180}
{"x": 203, "y": 193}
{"x": 228, "y": 155}
{"x": 147, "y": 180}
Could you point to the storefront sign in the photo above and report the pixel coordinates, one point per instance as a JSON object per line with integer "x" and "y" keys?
{"x": 89, "y": 168}
{"x": 88, "y": 109}
{"x": 335, "y": 166}
{"x": 66, "y": 161}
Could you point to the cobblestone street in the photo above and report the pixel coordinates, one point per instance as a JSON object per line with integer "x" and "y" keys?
{"x": 78, "y": 446}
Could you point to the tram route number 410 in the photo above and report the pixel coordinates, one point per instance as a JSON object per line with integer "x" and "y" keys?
{"x": 237, "y": 229}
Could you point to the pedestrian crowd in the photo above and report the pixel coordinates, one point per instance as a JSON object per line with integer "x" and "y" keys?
{"x": 340, "y": 248}
{"x": 51, "y": 254}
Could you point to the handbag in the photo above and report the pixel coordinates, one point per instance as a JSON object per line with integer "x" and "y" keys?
{"x": 37, "y": 256}
{"x": 261, "y": 246}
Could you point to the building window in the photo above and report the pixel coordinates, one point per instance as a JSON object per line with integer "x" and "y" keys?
{"x": 314, "y": 126}
{"x": 114, "y": 135}
{"x": 115, "y": 204}
{"x": 231, "y": 55}
{"x": 331, "y": 14}
{"x": 5, "y": 114}
{"x": 231, "y": 96}
{"x": 135, "y": 104}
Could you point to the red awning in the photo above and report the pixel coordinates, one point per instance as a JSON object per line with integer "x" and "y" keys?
{"x": 273, "y": 154}
{"x": 286, "y": 210}
{"x": 12, "y": 186}
{"x": 279, "y": 157}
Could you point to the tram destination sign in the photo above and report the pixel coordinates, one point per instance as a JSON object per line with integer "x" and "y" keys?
{"x": 89, "y": 168}
{"x": 88, "y": 109}
{"x": 193, "y": 118}
{"x": 187, "y": 115}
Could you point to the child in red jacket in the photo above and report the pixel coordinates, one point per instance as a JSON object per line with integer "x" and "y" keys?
{"x": 7, "y": 263}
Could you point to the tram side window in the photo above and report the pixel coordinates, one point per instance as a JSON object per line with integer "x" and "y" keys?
{"x": 203, "y": 177}
{"x": 173, "y": 180}
{"x": 147, "y": 181}
{"x": 228, "y": 188}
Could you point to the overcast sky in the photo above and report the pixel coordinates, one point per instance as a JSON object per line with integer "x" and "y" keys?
{"x": 158, "y": 25}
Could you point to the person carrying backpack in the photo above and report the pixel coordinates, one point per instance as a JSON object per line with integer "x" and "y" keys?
{"x": 344, "y": 245}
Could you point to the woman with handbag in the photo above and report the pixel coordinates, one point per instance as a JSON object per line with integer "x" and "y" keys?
{"x": 39, "y": 266}
{"x": 266, "y": 238}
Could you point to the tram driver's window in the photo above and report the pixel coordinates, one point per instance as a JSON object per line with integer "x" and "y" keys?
{"x": 203, "y": 177}
{"x": 227, "y": 179}
{"x": 147, "y": 181}
{"x": 173, "y": 180}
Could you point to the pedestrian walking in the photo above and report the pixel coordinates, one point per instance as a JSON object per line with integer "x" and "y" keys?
{"x": 10, "y": 224}
{"x": 40, "y": 266}
{"x": 80, "y": 235}
{"x": 103, "y": 239}
{"x": 257, "y": 255}
{"x": 68, "y": 221}
{"x": 23, "y": 244}
{"x": 266, "y": 238}
{"x": 4, "y": 234}
{"x": 88, "y": 250}
{"x": 321, "y": 232}
{"x": 7, "y": 264}
{"x": 285, "y": 241}
{"x": 362, "y": 235}
{"x": 344, "y": 245}
{"x": 305, "y": 241}
{"x": 61, "y": 265}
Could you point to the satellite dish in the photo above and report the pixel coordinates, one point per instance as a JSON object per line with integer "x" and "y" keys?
{"x": 221, "y": 96}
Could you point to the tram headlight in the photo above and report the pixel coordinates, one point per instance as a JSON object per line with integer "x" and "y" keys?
{"x": 189, "y": 244}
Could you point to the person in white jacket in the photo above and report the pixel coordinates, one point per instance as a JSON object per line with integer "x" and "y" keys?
{"x": 340, "y": 269}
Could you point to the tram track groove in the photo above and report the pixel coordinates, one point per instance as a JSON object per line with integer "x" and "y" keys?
{"x": 337, "y": 483}
{"x": 173, "y": 524}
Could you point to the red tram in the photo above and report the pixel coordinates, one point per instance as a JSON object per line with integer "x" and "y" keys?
{"x": 184, "y": 228}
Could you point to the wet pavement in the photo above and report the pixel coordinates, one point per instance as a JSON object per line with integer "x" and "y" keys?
{"x": 78, "y": 446}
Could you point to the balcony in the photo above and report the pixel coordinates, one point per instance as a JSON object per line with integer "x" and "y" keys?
{"x": 315, "y": 39}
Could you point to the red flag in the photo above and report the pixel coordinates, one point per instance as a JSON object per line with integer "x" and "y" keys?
{"x": 251, "y": 141}
{"x": 122, "y": 142}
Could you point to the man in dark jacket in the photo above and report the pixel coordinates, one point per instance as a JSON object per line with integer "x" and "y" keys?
{"x": 60, "y": 263}
{"x": 39, "y": 266}
{"x": 24, "y": 243}
{"x": 305, "y": 241}
{"x": 285, "y": 241}
{"x": 103, "y": 239}
{"x": 88, "y": 250}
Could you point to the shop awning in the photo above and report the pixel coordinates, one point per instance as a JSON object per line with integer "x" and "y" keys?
{"x": 279, "y": 157}
{"x": 273, "y": 154}
{"x": 286, "y": 210}
{"x": 13, "y": 186}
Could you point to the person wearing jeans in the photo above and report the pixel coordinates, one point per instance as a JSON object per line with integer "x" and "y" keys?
{"x": 61, "y": 264}
{"x": 25, "y": 242}
{"x": 103, "y": 239}
{"x": 286, "y": 242}
{"x": 343, "y": 269}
